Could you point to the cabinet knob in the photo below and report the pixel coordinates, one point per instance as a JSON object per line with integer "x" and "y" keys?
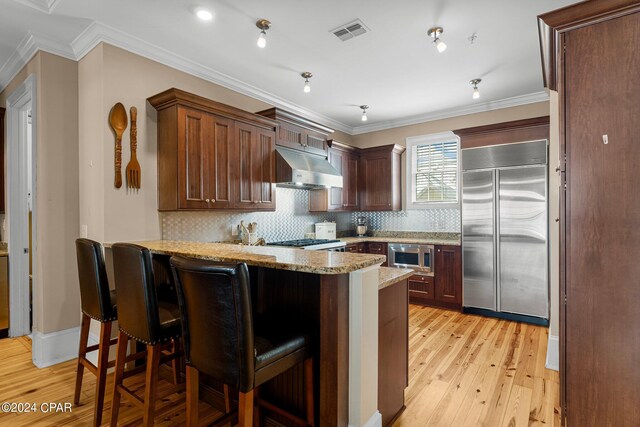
{"x": 259, "y": 201}
{"x": 207, "y": 200}
{"x": 213, "y": 200}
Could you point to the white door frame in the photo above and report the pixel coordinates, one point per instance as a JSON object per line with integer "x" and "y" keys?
{"x": 19, "y": 103}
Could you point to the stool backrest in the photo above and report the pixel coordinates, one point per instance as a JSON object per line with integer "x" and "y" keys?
{"x": 217, "y": 323}
{"x": 138, "y": 314}
{"x": 94, "y": 285}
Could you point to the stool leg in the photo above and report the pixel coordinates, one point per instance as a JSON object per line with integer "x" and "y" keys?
{"x": 121, "y": 356}
{"x": 245, "y": 409}
{"x": 257, "y": 412}
{"x": 192, "y": 396}
{"x": 151, "y": 386}
{"x": 82, "y": 353}
{"x": 308, "y": 390}
{"x": 177, "y": 362}
{"x": 227, "y": 399}
{"x": 103, "y": 365}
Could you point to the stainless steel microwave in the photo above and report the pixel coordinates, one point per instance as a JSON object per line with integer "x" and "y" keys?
{"x": 417, "y": 257}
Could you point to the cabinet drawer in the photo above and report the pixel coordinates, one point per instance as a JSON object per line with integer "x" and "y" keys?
{"x": 421, "y": 287}
{"x": 351, "y": 248}
{"x": 377, "y": 248}
{"x": 362, "y": 248}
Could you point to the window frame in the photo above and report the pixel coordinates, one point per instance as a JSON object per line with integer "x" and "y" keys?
{"x": 412, "y": 143}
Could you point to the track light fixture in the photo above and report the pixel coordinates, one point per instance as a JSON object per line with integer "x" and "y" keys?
{"x": 306, "y": 76}
{"x": 263, "y": 25}
{"x": 476, "y": 92}
{"x": 364, "y": 112}
{"x": 435, "y": 34}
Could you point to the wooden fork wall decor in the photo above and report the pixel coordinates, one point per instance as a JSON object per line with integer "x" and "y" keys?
{"x": 133, "y": 168}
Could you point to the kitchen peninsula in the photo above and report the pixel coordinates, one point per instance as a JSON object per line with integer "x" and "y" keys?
{"x": 335, "y": 296}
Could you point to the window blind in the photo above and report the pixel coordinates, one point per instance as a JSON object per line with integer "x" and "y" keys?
{"x": 436, "y": 177}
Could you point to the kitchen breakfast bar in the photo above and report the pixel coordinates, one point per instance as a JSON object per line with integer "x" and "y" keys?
{"x": 336, "y": 297}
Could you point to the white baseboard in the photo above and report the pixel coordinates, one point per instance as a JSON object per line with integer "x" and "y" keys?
{"x": 553, "y": 353}
{"x": 374, "y": 421}
{"x": 55, "y": 347}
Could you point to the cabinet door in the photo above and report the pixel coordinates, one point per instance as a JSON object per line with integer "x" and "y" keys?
{"x": 264, "y": 173}
{"x": 375, "y": 176}
{"x": 350, "y": 184}
{"x": 336, "y": 158}
{"x": 448, "y": 274}
{"x": 315, "y": 142}
{"x": 290, "y": 136}
{"x": 353, "y": 247}
{"x": 255, "y": 168}
{"x": 421, "y": 288}
{"x": 219, "y": 136}
{"x": 378, "y": 248}
{"x": 193, "y": 165}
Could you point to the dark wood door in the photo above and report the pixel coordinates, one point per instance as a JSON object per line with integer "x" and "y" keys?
{"x": 315, "y": 142}
{"x": 421, "y": 288}
{"x": 448, "y": 274}
{"x": 290, "y": 136}
{"x": 193, "y": 165}
{"x": 350, "y": 185}
{"x": 378, "y": 248}
{"x": 375, "y": 173}
{"x": 264, "y": 173}
{"x": 602, "y": 335}
{"x": 336, "y": 203}
{"x": 219, "y": 134}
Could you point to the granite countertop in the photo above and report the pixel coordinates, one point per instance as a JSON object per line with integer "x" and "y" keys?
{"x": 318, "y": 262}
{"x": 389, "y": 275}
{"x": 408, "y": 240}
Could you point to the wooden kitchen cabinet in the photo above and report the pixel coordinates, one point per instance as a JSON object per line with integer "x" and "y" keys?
{"x": 356, "y": 248}
{"x": 378, "y": 248}
{"x": 299, "y": 133}
{"x": 212, "y": 156}
{"x": 444, "y": 289}
{"x": 380, "y": 182}
{"x": 2, "y": 160}
{"x": 255, "y": 172}
{"x": 345, "y": 159}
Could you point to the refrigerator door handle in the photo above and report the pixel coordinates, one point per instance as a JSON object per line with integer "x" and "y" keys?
{"x": 496, "y": 236}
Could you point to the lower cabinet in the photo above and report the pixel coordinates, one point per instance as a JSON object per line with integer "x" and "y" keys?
{"x": 378, "y": 248}
{"x": 444, "y": 289}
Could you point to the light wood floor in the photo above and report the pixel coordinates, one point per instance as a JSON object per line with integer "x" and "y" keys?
{"x": 463, "y": 371}
{"x": 467, "y": 370}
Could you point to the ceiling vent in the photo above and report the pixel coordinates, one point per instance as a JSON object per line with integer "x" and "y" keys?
{"x": 350, "y": 30}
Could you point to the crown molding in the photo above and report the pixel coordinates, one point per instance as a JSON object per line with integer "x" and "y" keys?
{"x": 98, "y": 33}
{"x": 26, "y": 49}
{"x": 454, "y": 112}
{"x": 45, "y": 6}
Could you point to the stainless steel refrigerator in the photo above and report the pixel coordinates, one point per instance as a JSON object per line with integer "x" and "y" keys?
{"x": 504, "y": 231}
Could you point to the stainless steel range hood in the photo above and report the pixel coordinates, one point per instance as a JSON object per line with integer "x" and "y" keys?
{"x": 295, "y": 169}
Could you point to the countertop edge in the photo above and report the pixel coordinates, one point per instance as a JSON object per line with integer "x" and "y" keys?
{"x": 417, "y": 241}
{"x": 390, "y": 275}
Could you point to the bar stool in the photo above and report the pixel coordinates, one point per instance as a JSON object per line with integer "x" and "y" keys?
{"x": 145, "y": 319}
{"x": 98, "y": 303}
{"x": 219, "y": 339}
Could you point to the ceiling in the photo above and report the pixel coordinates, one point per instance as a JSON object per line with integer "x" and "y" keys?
{"x": 394, "y": 68}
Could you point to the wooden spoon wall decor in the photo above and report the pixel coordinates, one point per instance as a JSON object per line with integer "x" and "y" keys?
{"x": 118, "y": 122}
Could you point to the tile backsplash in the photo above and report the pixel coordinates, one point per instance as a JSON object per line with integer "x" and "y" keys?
{"x": 292, "y": 220}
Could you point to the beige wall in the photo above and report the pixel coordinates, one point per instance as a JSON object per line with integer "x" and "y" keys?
{"x": 109, "y": 75}
{"x": 55, "y": 273}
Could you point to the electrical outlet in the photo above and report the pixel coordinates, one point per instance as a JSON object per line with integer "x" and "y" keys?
{"x": 84, "y": 231}
{"x": 234, "y": 230}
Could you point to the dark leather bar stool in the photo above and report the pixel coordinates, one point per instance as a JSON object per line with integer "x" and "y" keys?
{"x": 145, "y": 319}
{"x": 98, "y": 303}
{"x": 221, "y": 342}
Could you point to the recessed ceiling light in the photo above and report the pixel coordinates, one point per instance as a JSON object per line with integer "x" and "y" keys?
{"x": 204, "y": 14}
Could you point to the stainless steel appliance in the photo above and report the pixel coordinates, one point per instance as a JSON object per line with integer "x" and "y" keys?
{"x": 504, "y": 230}
{"x": 4, "y": 297}
{"x": 313, "y": 244}
{"x": 361, "y": 226}
{"x": 295, "y": 169}
{"x": 418, "y": 257}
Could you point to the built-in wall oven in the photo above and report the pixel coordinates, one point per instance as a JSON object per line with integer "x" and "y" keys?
{"x": 417, "y": 257}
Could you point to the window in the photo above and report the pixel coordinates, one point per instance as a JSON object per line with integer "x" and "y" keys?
{"x": 432, "y": 171}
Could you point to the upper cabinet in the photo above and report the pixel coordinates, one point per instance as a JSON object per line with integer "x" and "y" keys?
{"x": 380, "y": 184}
{"x": 345, "y": 159}
{"x": 2, "y": 160}
{"x": 213, "y": 156}
{"x": 299, "y": 133}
